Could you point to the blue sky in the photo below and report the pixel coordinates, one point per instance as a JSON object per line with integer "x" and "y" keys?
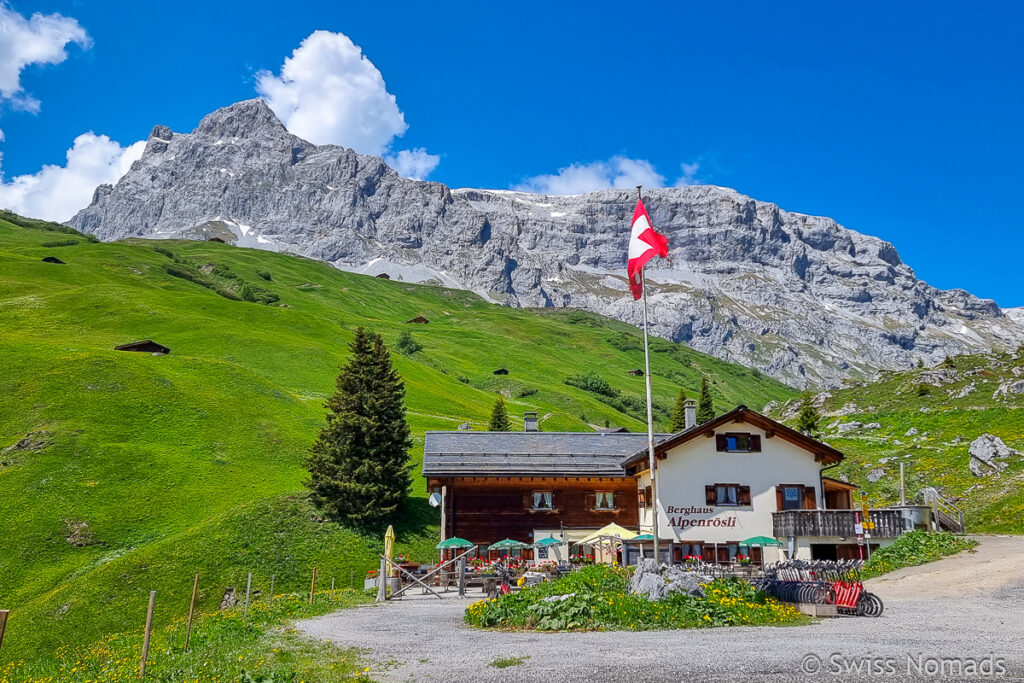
{"x": 901, "y": 120}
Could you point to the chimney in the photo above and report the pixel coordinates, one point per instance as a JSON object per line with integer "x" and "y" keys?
{"x": 530, "y": 422}
{"x": 690, "y": 413}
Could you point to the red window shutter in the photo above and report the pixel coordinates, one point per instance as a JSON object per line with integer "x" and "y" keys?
{"x": 810, "y": 500}
{"x": 754, "y": 443}
{"x": 721, "y": 442}
{"x": 778, "y": 496}
{"x": 743, "y": 495}
{"x": 710, "y": 495}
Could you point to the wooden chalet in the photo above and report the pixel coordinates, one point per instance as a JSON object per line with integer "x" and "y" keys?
{"x": 418, "y": 319}
{"x": 531, "y": 485}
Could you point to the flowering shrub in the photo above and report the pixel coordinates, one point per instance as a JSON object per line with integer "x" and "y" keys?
{"x": 743, "y": 559}
{"x": 581, "y": 559}
{"x": 599, "y": 598}
{"x": 401, "y": 559}
{"x": 692, "y": 559}
{"x": 372, "y": 574}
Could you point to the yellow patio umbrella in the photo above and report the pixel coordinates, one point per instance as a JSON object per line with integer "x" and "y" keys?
{"x": 612, "y": 530}
{"x": 389, "y": 545}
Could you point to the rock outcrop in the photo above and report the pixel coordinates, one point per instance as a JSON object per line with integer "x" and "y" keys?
{"x": 657, "y": 581}
{"x": 799, "y": 297}
{"x": 988, "y": 454}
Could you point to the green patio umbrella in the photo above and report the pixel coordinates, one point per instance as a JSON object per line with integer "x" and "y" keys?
{"x": 507, "y": 544}
{"x": 643, "y": 537}
{"x": 546, "y": 542}
{"x": 454, "y": 543}
{"x": 761, "y": 542}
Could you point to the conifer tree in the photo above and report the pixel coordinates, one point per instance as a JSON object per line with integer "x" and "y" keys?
{"x": 679, "y": 412}
{"x": 705, "y": 406}
{"x": 358, "y": 467}
{"x": 807, "y": 420}
{"x": 499, "y": 417}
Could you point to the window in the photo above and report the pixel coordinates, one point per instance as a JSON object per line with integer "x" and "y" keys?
{"x": 646, "y": 498}
{"x": 604, "y": 500}
{"x": 792, "y": 497}
{"x": 738, "y": 442}
{"x": 543, "y": 500}
{"x": 727, "y": 494}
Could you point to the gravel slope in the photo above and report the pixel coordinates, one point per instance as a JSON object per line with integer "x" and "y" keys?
{"x": 962, "y": 607}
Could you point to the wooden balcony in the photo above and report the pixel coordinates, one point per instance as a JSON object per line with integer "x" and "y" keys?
{"x": 888, "y": 523}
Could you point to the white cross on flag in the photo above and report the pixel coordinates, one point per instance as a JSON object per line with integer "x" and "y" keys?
{"x": 644, "y": 244}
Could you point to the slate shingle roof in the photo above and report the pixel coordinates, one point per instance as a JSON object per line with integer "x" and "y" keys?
{"x": 573, "y": 454}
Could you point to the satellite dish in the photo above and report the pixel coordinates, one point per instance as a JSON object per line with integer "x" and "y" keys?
{"x": 434, "y": 500}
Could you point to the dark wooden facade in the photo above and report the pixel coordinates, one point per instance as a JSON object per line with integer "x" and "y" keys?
{"x": 836, "y": 523}
{"x": 488, "y": 509}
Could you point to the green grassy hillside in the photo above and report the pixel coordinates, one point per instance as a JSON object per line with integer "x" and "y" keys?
{"x": 121, "y": 473}
{"x": 950, "y": 406}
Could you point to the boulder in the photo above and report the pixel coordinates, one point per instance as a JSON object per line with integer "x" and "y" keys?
{"x": 913, "y": 431}
{"x": 848, "y": 427}
{"x": 1010, "y": 389}
{"x": 657, "y": 581}
{"x": 872, "y": 425}
{"x": 876, "y": 474}
{"x": 964, "y": 391}
{"x": 987, "y": 453}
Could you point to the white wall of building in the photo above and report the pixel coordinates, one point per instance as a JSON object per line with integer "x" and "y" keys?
{"x": 683, "y": 513}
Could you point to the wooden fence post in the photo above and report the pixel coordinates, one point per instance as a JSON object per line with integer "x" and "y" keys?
{"x": 3, "y": 624}
{"x": 272, "y": 589}
{"x": 312, "y": 586}
{"x": 332, "y": 583}
{"x": 149, "y": 630}
{"x": 248, "y": 590}
{"x": 191, "y": 611}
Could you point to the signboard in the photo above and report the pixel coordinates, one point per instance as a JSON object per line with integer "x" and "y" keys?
{"x": 858, "y": 528}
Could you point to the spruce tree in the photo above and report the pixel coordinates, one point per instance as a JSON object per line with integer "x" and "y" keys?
{"x": 807, "y": 420}
{"x": 679, "y": 412}
{"x": 499, "y": 417}
{"x": 358, "y": 467}
{"x": 705, "y": 406}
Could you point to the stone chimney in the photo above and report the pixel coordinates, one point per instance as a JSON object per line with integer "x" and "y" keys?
{"x": 690, "y": 412}
{"x": 530, "y": 422}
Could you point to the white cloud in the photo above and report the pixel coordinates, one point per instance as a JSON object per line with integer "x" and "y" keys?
{"x": 330, "y": 93}
{"x": 689, "y": 176}
{"x": 40, "y": 39}
{"x": 57, "y": 192}
{"x": 413, "y": 163}
{"x": 619, "y": 172}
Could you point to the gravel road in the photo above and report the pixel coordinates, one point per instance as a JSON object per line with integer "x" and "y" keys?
{"x": 963, "y": 608}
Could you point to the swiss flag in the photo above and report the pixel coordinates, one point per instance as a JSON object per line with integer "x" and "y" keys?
{"x": 644, "y": 244}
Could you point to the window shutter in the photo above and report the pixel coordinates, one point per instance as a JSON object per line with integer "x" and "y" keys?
{"x": 810, "y": 500}
{"x": 754, "y": 443}
{"x": 641, "y": 496}
{"x": 744, "y": 495}
{"x": 710, "y": 494}
{"x": 649, "y": 497}
{"x": 590, "y": 500}
{"x": 527, "y": 501}
{"x": 778, "y": 496}
{"x": 721, "y": 442}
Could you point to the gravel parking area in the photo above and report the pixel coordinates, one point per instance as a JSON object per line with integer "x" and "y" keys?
{"x": 964, "y": 610}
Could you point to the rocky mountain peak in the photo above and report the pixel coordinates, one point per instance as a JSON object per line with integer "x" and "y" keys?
{"x": 799, "y": 297}
{"x": 248, "y": 118}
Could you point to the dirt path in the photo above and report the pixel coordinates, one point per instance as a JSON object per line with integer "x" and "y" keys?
{"x": 997, "y": 562}
{"x": 961, "y": 608}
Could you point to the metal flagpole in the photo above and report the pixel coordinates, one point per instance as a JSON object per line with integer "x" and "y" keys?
{"x": 650, "y": 415}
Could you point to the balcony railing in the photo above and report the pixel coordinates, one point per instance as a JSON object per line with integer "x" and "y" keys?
{"x": 888, "y": 523}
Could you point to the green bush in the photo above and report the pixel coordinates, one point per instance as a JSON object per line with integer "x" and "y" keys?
{"x": 626, "y": 342}
{"x": 264, "y": 274}
{"x": 407, "y": 344}
{"x": 917, "y": 547}
{"x": 60, "y": 243}
{"x": 186, "y": 271}
{"x": 166, "y": 252}
{"x": 256, "y": 294}
{"x": 593, "y": 382}
{"x": 599, "y": 598}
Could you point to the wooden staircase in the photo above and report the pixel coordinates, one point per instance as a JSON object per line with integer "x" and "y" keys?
{"x": 948, "y": 517}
